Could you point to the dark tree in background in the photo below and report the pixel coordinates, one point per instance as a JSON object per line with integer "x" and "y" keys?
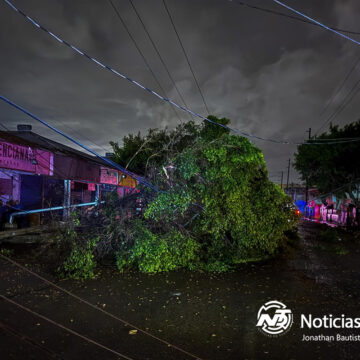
{"x": 139, "y": 152}
{"x": 332, "y": 168}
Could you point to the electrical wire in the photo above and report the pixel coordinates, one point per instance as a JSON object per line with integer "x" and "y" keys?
{"x": 53, "y": 170}
{"x": 113, "y": 164}
{"x": 240, "y": 132}
{"x": 43, "y": 165}
{"x": 30, "y": 341}
{"x": 343, "y": 105}
{"x": 3, "y": 126}
{"x": 72, "y": 129}
{"x": 141, "y": 54}
{"x": 317, "y": 22}
{"x": 339, "y": 88}
{"x": 158, "y": 52}
{"x": 186, "y": 56}
{"x": 64, "y": 328}
{"x": 274, "y": 12}
{"x": 96, "y": 307}
{"x": 81, "y": 135}
{"x": 345, "y": 138}
{"x": 321, "y": 196}
{"x": 345, "y": 102}
{"x": 313, "y": 22}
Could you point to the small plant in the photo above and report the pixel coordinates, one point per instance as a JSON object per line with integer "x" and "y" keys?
{"x": 341, "y": 251}
{"x": 80, "y": 264}
{"x": 217, "y": 267}
{"x": 75, "y": 217}
{"x": 121, "y": 262}
{"x": 7, "y": 252}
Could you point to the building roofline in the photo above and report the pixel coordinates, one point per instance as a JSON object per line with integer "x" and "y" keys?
{"x": 29, "y": 138}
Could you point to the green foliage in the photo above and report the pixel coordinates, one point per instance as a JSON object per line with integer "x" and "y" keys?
{"x": 178, "y": 202}
{"x": 7, "y": 252}
{"x": 216, "y": 266}
{"x": 80, "y": 264}
{"x": 217, "y": 207}
{"x": 329, "y": 167}
{"x": 186, "y": 164}
{"x": 121, "y": 262}
{"x": 341, "y": 251}
{"x": 75, "y": 217}
{"x": 155, "y": 253}
{"x": 226, "y": 199}
{"x": 211, "y": 131}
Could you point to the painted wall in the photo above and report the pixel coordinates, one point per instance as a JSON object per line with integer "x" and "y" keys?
{"x": 27, "y": 159}
{"x": 9, "y": 185}
{"x": 67, "y": 167}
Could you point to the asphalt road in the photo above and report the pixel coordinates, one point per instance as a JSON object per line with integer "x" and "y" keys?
{"x": 210, "y": 316}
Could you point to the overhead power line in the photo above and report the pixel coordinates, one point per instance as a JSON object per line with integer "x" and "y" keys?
{"x": 72, "y": 129}
{"x": 95, "y": 307}
{"x": 355, "y": 181}
{"x": 317, "y": 22}
{"x": 339, "y": 88}
{"x": 141, "y": 53}
{"x": 351, "y": 94}
{"x": 113, "y": 164}
{"x": 44, "y": 165}
{"x": 345, "y": 102}
{"x": 158, "y": 52}
{"x": 274, "y": 12}
{"x": 186, "y": 56}
{"x": 346, "y": 138}
{"x": 4, "y": 127}
{"x": 240, "y": 132}
{"x": 64, "y": 328}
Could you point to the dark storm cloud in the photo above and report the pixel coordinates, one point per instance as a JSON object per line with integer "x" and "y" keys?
{"x": 270, "y": 75}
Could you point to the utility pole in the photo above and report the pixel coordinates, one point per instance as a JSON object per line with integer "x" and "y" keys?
{"x": 282, "y": 177}
{"x": 288, "y": 174}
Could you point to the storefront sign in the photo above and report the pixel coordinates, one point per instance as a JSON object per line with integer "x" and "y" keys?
{"x": 108, "y": 176}
{"x": 126, "y": 180}
{"x": 91, "y": 187}
{"x": 25, "y": 158}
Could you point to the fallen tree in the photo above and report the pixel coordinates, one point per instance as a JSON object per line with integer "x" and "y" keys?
{"x": 216, "y": 206}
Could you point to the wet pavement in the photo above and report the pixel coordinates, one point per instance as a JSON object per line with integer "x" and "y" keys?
{"x": 210, "y": 316}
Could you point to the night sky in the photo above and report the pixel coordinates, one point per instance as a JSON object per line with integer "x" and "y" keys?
{"x": 271, "y": 75}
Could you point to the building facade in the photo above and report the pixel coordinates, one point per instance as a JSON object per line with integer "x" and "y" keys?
{"x": 38, "y": 174}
